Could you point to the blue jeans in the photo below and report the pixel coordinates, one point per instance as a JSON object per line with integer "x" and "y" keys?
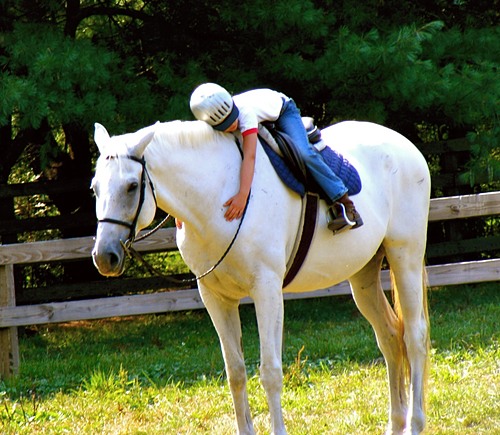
{"x": 290, "y": 123}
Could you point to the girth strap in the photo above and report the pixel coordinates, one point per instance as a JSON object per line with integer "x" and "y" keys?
{"x": 306, "y": 236}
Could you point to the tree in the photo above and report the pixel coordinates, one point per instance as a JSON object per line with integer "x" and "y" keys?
{"x": 53, "y": 87}
{"x": 429, "y": 70}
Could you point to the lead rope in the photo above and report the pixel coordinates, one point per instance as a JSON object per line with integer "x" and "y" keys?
{"x": 133, "y": 254}
{"x": 154, "y": 230}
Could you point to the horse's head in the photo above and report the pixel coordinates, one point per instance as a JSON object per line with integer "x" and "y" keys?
{"x": 125, "y": 199}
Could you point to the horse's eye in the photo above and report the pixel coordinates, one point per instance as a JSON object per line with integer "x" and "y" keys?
{"x": 132, "y": 187}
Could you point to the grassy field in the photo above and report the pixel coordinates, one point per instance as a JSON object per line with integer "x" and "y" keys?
{"x": 164, "y": 374}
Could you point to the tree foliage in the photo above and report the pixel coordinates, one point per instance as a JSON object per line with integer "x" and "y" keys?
{"x": 65, "y": 65}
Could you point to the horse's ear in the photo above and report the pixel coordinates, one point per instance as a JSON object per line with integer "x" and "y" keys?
{"x": 101, "y": 137}
{"x": 138, "y": 150}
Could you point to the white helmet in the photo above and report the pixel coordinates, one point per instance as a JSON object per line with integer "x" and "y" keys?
{"x": 213, "y": 104}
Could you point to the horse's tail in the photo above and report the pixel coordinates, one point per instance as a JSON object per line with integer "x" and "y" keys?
{"x": 400, "y": 327}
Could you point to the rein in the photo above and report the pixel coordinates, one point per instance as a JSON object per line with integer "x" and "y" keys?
{"x": 132, "y": 253}
{"x": 127, "y": 245}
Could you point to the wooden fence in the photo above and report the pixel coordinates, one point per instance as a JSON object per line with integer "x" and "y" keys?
{"x": 12, "y": 316}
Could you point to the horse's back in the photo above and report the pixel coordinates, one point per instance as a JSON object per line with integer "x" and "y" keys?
{"x": 385, "y": 159}
{"x": 393, "y": 202}
{"x": 350, "y": 136}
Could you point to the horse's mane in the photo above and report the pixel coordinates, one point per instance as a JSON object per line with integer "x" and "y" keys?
{"x": 185, "y": 134}
{"x": 168, "y": 135}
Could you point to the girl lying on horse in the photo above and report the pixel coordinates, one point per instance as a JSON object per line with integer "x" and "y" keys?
{"x": 213, "y": 104}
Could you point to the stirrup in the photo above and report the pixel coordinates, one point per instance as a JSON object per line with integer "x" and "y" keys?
{"x": 333, "y": 215}
{"x": 344, "y": 215}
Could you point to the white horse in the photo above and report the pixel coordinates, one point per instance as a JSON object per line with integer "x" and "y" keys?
{"x": 190, "y": 170}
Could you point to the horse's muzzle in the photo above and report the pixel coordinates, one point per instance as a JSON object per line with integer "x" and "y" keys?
{"x": 109, "y": 261}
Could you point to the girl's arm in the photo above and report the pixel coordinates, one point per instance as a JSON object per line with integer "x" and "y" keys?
{"x": 236, "y": 204}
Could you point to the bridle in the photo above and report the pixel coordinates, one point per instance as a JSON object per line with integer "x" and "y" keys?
{"x": 132, "y": 226}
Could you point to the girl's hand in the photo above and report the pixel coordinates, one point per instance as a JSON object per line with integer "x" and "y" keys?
{"x": 235, "y": 206}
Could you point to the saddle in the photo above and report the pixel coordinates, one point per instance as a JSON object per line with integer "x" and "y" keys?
{"x": 289, "y": 166}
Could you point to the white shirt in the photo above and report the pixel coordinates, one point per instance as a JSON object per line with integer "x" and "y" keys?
{"x": 257, "y": 106}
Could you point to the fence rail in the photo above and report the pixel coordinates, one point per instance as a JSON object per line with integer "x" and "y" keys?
{"x": 12, "y": 316}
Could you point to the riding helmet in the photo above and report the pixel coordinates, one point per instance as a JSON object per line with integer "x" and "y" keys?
{"x": 214, "y": 105}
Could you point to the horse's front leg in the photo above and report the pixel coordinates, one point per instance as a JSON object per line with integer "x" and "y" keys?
{"x": 269, "y": 309}
{"x": 226, "y": 319}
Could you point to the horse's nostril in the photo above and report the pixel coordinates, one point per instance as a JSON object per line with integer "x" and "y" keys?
{"x": 113, "y": 260}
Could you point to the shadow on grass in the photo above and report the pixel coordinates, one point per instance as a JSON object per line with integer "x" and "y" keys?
{"x": 183, "y": 348}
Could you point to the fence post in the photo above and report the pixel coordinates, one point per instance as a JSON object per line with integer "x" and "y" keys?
{"x": 9, "y": 346}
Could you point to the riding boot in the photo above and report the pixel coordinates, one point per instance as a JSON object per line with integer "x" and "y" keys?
{"x": 343, "y": 215}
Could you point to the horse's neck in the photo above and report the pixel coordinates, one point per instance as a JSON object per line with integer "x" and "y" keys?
{"x": 192, "y": 183}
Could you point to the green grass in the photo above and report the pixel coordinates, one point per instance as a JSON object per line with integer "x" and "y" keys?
{"x": 164, "y": 374}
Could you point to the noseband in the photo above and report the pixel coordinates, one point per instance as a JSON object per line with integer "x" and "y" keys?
{"x": 132, "y": 226}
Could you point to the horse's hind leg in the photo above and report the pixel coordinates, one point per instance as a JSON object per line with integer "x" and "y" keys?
{"x": 407, "y": 269}
{"x": 373, "y": 304}
{"x": 226, "y": 319}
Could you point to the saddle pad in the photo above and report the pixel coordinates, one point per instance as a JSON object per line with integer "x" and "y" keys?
{"x": 341, "y": 166}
